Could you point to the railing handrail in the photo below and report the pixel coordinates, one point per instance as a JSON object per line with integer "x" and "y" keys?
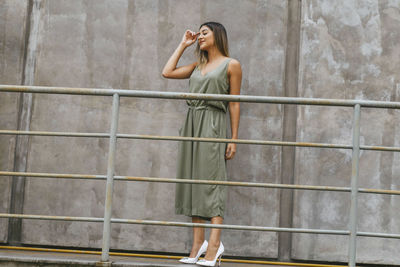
{"x": 190, "y": 181}
{"x": 113, "y": 136}
{"x": 201, "y": 139}
{"x": 192, "y": 96}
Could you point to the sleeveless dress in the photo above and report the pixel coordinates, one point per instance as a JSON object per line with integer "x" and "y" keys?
{"x": 203, "y": 160}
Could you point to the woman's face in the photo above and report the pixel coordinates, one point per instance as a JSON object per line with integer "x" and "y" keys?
{"x": 206, "y": 38}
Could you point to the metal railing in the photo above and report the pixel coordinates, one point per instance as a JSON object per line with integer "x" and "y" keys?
{"x": 113, "y": 136}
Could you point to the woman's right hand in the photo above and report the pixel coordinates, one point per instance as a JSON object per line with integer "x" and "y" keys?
{"x": 189, "y": 38}
{"x": 170, "y": 70}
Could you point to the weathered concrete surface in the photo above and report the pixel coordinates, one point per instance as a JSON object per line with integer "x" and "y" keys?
{"x": 125, "y": 44}
{"x": 289, "y": 127}
{"x": 349, "y": 50}
{"x": 24, "y": 119}
{"x": 13, "y": 258}
{"x": 7, "y": 144}
{"x": 12, "y": 43}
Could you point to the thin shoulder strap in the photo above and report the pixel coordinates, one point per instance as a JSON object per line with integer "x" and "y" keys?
{"x": 227, "y": 63}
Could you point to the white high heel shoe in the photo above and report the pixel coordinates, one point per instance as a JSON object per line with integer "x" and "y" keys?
{"x": 218, "y": 257}
{"x": 202, "y": 250}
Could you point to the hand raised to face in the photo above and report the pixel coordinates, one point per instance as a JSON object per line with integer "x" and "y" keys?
{"x": 189, "y": 38}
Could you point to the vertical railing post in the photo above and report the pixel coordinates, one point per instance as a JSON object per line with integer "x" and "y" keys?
{"x": 110, "y": 182}
{"x": 354, "y": 186}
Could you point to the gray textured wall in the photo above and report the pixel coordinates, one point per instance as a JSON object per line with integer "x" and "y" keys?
{"x": 12, "y": 44}
{"x": 347, "y": 51}
{"x": 125, "y": 44}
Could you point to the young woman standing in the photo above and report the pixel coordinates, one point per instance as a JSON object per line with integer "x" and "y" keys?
{"x": 213, "y": 73}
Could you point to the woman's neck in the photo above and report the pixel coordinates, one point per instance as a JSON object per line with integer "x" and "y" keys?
{"x": 213, "y": 54}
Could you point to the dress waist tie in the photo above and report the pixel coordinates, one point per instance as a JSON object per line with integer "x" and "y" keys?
{"x": 206, "y": 108}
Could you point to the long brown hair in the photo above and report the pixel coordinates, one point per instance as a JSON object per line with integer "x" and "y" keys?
{"x": 221, "y": 41}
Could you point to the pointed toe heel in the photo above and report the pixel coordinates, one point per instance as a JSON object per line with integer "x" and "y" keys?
{"x": 202, "y": 250}
{"x": 218, "y": 257}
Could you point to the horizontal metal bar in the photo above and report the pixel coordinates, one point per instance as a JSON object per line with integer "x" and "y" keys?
{"x": 183, "y": 224}
{"x": 177, "y": 138}
{"x": 378, "y": 191}
{"x": 263, "y": 185}
{"x": 233, "y": 227}
{"x": 230, "y": 183}
{"x": 197, "y": 139}
{"x": 382, "y": 235}
{"x": 189, "y": 181}
{"x": 190, "y": 96}
{"x": 44, "y": 133}
{"x": 381, "y": 148}
{"x": 236, "y": 141}
{"x": 48, "y": 217}
{"x": 54, "y": 175}
{"x": 179, "y": 224}
{"x": 173, "y": 180}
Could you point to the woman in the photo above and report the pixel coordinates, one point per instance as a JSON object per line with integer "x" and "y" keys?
{"x": 213, "y": 73}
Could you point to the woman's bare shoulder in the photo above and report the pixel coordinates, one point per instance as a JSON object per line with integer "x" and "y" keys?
{"x": 234, "y": 61}
{"x": 234, "y": 65}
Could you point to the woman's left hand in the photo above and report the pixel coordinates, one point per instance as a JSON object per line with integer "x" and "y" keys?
{"x": 230, "y": 151}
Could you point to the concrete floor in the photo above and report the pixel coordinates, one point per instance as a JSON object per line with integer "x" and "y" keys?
{"x": 14, "y": 258}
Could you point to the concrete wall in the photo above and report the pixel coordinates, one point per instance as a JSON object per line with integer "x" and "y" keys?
{"x": 108, "y": 44}
{"x": 12, "y": 44}
{"x": 346, "y": 51}
{"x": 349, "y": 50}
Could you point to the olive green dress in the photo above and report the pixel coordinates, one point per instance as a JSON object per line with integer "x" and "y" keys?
{"x": 203, "y": 160}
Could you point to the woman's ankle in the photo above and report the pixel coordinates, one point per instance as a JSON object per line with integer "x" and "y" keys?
{"x": 214, "y": 244}
{"x": 198, "y": 242}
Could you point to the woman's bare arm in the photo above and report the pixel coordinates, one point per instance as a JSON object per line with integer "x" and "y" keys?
{"x": 170, "y": 70}
{"x": 235, "y": 81}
